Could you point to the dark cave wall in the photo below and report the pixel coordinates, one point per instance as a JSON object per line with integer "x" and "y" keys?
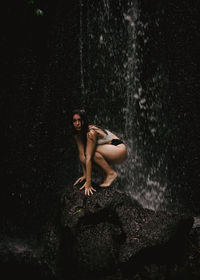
{"x": 183, "y": 38}
{"x": 172, "y": 45}
{"x": 40, "y": 60}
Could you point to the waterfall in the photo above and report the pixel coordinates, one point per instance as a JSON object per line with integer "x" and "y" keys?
{"x": 113, "y": 94}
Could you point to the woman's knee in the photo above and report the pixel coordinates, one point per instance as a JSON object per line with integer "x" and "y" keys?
{"x": 97, "y": 156}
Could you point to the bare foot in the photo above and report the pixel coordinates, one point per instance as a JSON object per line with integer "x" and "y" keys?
{"x": 109, "y": 179}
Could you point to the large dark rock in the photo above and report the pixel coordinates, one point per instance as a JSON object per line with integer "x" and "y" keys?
{"x": 109, "y": 230}
{"x": 104, "y": 234}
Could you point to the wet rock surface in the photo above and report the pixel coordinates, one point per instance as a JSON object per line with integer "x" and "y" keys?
{"x": 110, "y": 230}
{"x": 108, "y": 236}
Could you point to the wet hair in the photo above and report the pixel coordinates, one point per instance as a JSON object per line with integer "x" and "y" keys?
{"x": 84, "y": 121}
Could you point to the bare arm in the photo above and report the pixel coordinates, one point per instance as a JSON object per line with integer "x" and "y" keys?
{"x": 90, "y": 149}
{"x": 81, "y": 150}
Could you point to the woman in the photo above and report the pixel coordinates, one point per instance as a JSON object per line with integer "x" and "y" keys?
{"x": 96, "y": 146}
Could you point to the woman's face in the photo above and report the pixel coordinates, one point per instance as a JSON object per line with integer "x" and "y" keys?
{"x": 77, "y": 122}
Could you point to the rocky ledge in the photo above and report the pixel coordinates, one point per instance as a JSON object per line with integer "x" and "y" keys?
{"x": 110, "y": 231}
{"x": 105, "y": 234}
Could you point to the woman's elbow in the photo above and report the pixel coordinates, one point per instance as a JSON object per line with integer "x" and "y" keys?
{"x": 88, "y": 158}
{"x": 82, "y": 159}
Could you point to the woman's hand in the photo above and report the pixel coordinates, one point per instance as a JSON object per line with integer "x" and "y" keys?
{"x": 88, "y": 189}
{"x": 91, "y": 126}
{"x": 79, "y": 180}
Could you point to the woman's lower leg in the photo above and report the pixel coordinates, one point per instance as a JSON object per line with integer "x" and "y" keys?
{"x": 110, "y": 174}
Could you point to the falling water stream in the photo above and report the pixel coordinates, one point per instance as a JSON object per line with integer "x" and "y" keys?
{"x": 112, "y": 92}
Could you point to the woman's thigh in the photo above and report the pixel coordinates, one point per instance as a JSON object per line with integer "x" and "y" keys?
{"x": 113, "y": 154}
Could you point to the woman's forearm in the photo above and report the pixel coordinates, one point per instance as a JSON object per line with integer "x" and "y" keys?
{"x": 88, "y": 170}
{"x": 84, "y": 170}
{"x": 83, "y": 162}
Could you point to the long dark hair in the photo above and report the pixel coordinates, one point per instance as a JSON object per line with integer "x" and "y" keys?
{"x": 84, "y": 122}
